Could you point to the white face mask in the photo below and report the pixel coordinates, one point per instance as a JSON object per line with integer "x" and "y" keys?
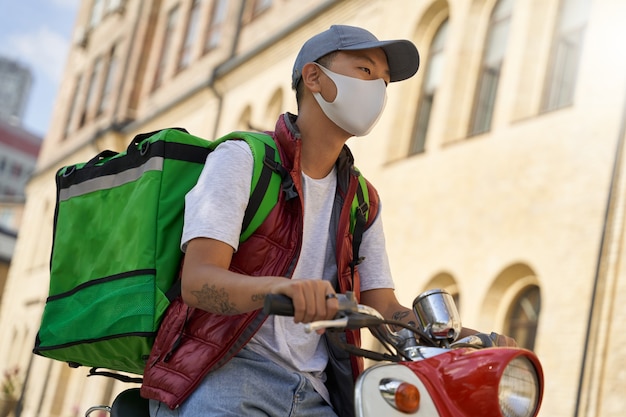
{"x": 358, "y": 104}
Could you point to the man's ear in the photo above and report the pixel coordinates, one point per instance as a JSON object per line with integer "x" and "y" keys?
{"x": 311, "y": 77}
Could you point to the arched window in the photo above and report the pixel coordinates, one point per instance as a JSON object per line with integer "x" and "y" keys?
{"x": 432, "y": 78}
{"x": 489, "y": 77}
{"x": 523, "y": 317}
{"x": 566, "y": 52}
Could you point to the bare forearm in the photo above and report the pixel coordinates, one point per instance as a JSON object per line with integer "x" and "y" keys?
{"x": 386, "y": 303}
{"x": 221, "y": 291}
{"x": 208, "y": 284}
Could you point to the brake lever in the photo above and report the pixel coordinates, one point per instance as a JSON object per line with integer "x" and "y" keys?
{"x": 349, "y": 321}
{"x": 341, "y": 323}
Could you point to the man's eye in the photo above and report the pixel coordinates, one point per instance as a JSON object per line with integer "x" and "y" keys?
{"x": 367, "y": 70}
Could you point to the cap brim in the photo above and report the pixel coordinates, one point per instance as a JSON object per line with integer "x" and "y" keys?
{"x": 402, "y": 57}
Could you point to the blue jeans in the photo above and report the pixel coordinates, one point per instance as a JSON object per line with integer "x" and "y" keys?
{"x": 250, "y": 385}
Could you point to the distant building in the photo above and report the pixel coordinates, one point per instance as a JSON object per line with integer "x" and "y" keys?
{"x": 7, "y": 246}
{"x": 18, "y": 154}
{"x": 15, "y": 83}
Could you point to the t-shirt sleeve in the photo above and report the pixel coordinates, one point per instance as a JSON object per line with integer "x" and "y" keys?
{"x": 374, "y": 271}
{"x": 215, "y": 206}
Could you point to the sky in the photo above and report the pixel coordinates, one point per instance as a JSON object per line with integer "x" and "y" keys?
{"x": 37, "y": 34}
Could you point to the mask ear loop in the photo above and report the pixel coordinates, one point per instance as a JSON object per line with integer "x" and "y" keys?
{"x": 329, "y": 74}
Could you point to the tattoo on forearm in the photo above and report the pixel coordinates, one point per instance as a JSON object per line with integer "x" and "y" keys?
{"x": 257, "y": 297}
{"x": 216, "y": 300}
{"x": 399, "y": 315}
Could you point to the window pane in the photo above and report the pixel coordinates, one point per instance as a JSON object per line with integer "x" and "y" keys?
{"x": 214, "y": 32}
{"x": 565, "y": 68}
{"x": 108, "y": 82}
{"x": 97, "y": 11}
{"x": 91, "y": 91}
{"x": 488, "y": 87}
{"x": 498, "y": 33}
{"x": 190, "y": 35}
{"x": 489, "y": 77}
{"x": 260, "y": 6}
{"x": 73, "y": 104}
{"x": 95, "y": 77}
{"x": 524, "y": 317}
{"x": 114, "y": 5}
{"x": 435, "y": 68}
{"x": 574, "y": 14}
{"x": 432, "y": 78}
{"x": 16, "y": 170}
{"x": 496, "y": 44}
{"x": 566, "y": 51}
{"x": 167, "y": 43}
{"x": 422, "y": 122}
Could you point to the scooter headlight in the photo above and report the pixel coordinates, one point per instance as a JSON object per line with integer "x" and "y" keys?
{"x": 518, "y": 392}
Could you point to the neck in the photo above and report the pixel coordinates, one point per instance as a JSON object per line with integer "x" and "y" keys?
{"x": 322, "y": 142}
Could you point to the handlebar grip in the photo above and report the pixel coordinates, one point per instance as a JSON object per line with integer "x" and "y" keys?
{"x": 278, "y": 304}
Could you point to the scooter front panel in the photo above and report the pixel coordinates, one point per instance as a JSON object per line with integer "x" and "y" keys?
{"x": 369, "y": 401}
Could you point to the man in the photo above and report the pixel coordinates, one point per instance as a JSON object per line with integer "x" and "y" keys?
{"x": 217, "y": 354}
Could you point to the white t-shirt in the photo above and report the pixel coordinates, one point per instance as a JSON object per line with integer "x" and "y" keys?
{"x": 215, "y": 207}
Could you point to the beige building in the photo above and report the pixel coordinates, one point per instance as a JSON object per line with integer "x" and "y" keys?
{"x": 500, "y": 164}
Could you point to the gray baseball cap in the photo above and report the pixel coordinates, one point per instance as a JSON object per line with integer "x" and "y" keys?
{"x": 402, "y": 56}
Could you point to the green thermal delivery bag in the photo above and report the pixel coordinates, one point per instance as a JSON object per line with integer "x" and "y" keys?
{"x": 116, "y": 245}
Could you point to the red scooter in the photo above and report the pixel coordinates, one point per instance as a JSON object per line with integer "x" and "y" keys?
{"x": 425, "y": 371}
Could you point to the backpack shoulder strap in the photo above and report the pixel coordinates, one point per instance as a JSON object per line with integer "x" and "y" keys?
{"x": 265, "y": 186}
{"x": 360, "y": 203}
{"x": 359, "y": 216}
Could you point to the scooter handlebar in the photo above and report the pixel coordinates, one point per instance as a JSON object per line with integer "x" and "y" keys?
{"x": 281, "y": 305}
{"x": 278, "y": 304}
{"x": 350, "y": 314}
